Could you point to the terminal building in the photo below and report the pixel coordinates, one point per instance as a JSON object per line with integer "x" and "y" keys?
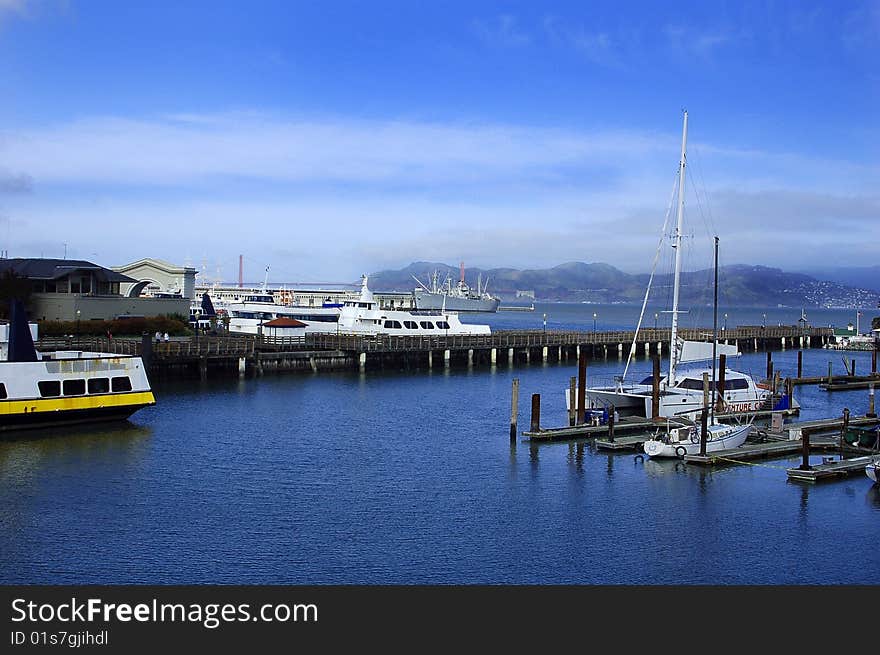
{"x": 71, "y": 289}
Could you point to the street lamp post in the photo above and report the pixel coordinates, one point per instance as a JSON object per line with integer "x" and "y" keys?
{"x": 595, "y": 316}
{"x": 725, "y": 322}
{"x": 77, "y": 324}
{"x": 545, "y": 323}
{"x": 763, "y": 320}
{"x": 655, "y": 320}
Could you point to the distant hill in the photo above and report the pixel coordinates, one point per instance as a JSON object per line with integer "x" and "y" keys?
{"x": 602, "y": 283}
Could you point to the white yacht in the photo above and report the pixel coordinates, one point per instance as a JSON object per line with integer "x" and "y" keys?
{"x": 254, "y": 309}
{"x": 365, "y": 316}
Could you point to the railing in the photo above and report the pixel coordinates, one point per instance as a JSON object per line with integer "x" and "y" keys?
{"x": 175, "y": 348}
{"x": 245, "y": 345}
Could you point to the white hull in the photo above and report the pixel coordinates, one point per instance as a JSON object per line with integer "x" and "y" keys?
{"x": 871, "y": 470}
{"x": 678, "y": 401}
{"x": 682, "y": 441}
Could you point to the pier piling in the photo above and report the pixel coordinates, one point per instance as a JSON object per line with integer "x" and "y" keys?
{"x": 805, "y": 451}
{"x": 704, "y": 423}
{"x": 769, "y": 365}
{"x": 611, "y": 423}
{"x": 536, "y": 413}
{"x": 800, "y": 364}
{"x": 871, "y": 413}
{"x": 514, "y": 410}
{"x": 572, "y": 403}
{"x": 655, "y": 388}
{"x": 722, "y": 368}
{"x": 582, "y": 388}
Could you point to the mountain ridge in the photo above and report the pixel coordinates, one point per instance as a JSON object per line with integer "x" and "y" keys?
{"x": 599, "y": 282}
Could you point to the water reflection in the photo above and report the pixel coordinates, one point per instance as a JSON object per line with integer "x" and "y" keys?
{"x": 23, "y": 456}
{"x": 872, "y": 496}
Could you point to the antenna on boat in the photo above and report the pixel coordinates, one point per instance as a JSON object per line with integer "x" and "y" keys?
{"x": 420, "y": 283}
{"x": 266, "y": 279}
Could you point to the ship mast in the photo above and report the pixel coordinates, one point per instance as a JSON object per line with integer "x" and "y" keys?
{"x": 676, "y": 244}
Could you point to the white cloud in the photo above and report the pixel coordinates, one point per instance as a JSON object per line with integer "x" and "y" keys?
{"x": 329, "y": 199}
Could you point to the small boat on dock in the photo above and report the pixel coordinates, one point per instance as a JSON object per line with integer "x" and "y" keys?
{"x": 684, "y": 439}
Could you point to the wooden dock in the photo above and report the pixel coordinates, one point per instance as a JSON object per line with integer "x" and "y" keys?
{"x": 834, "y": 469}
{"x": 626, "y": 426}
{"x": 757, "y": 450}
{"x": 849, "y": 386}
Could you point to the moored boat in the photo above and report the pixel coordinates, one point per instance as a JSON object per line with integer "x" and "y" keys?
{"x": 685, "y": 439}
{"x": 365, "y": 316}
{"x": 458, "y": 298}
{"x": 40, "y": 390}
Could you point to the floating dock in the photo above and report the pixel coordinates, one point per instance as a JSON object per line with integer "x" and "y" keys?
{"x": 832, "y": 469}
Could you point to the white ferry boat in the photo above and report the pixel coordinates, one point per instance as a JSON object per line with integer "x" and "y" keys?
{"x": 365, "y": 316}
{"x": 39, "y": 390}
{"x": 256, "y": 309}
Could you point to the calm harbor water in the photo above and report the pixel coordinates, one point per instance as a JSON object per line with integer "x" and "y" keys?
{"x": 409, "y": 477}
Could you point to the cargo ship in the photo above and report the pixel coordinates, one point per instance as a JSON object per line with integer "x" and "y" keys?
{"x": 458, "y": 298}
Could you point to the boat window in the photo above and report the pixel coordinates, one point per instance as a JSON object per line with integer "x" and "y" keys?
{"x": 691, "y": 383}
{"x": 443, "y": 325}
{"x": 736, "y": 383}
{"x": 392, "y": 324}
{"x": 365, "y": 305}
{"x": 99, "y": 385}
{"x": 650, "y": 380}
{"x": 2, "y": 391}
{"x": 427, "y": 325}
{"x": 410, "y": 325}
{"x": 49, "y": 388}
{"x": 122, "y": 383}
{"x": 74, "y": 387}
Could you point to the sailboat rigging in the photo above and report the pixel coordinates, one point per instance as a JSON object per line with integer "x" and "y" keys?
{"x": 711, "y": 436}
{"x": 681, "y": 392}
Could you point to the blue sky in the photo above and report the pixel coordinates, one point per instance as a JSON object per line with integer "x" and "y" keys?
{"x": 326, "y": 139}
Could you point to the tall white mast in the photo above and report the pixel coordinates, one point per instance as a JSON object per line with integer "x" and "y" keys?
{"x": 676, "y": 244}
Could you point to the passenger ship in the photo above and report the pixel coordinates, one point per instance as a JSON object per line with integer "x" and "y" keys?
{"x": 363, "y": 315}
{"x": 40, "y": 390}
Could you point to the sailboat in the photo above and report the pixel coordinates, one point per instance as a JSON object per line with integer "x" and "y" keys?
{"x": 686, "y": 439}
{"x": 681, "y": 392}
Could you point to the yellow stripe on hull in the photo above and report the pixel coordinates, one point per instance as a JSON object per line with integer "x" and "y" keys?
{"x": 68, "y": 403}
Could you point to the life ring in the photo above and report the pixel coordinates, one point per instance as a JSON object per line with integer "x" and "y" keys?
{"x": 680, "y": 452}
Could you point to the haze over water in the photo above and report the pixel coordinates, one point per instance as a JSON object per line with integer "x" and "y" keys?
{"x": 409, "y": 477}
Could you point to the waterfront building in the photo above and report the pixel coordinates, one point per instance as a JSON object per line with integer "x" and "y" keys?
{"x": 72, "y": 289}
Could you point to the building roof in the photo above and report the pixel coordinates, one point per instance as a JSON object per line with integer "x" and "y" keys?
{"x": 284, "y": 323}
{"x": 53, "y": 269}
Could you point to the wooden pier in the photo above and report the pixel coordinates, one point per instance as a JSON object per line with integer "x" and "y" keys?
{"x": 314, "y": 351}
